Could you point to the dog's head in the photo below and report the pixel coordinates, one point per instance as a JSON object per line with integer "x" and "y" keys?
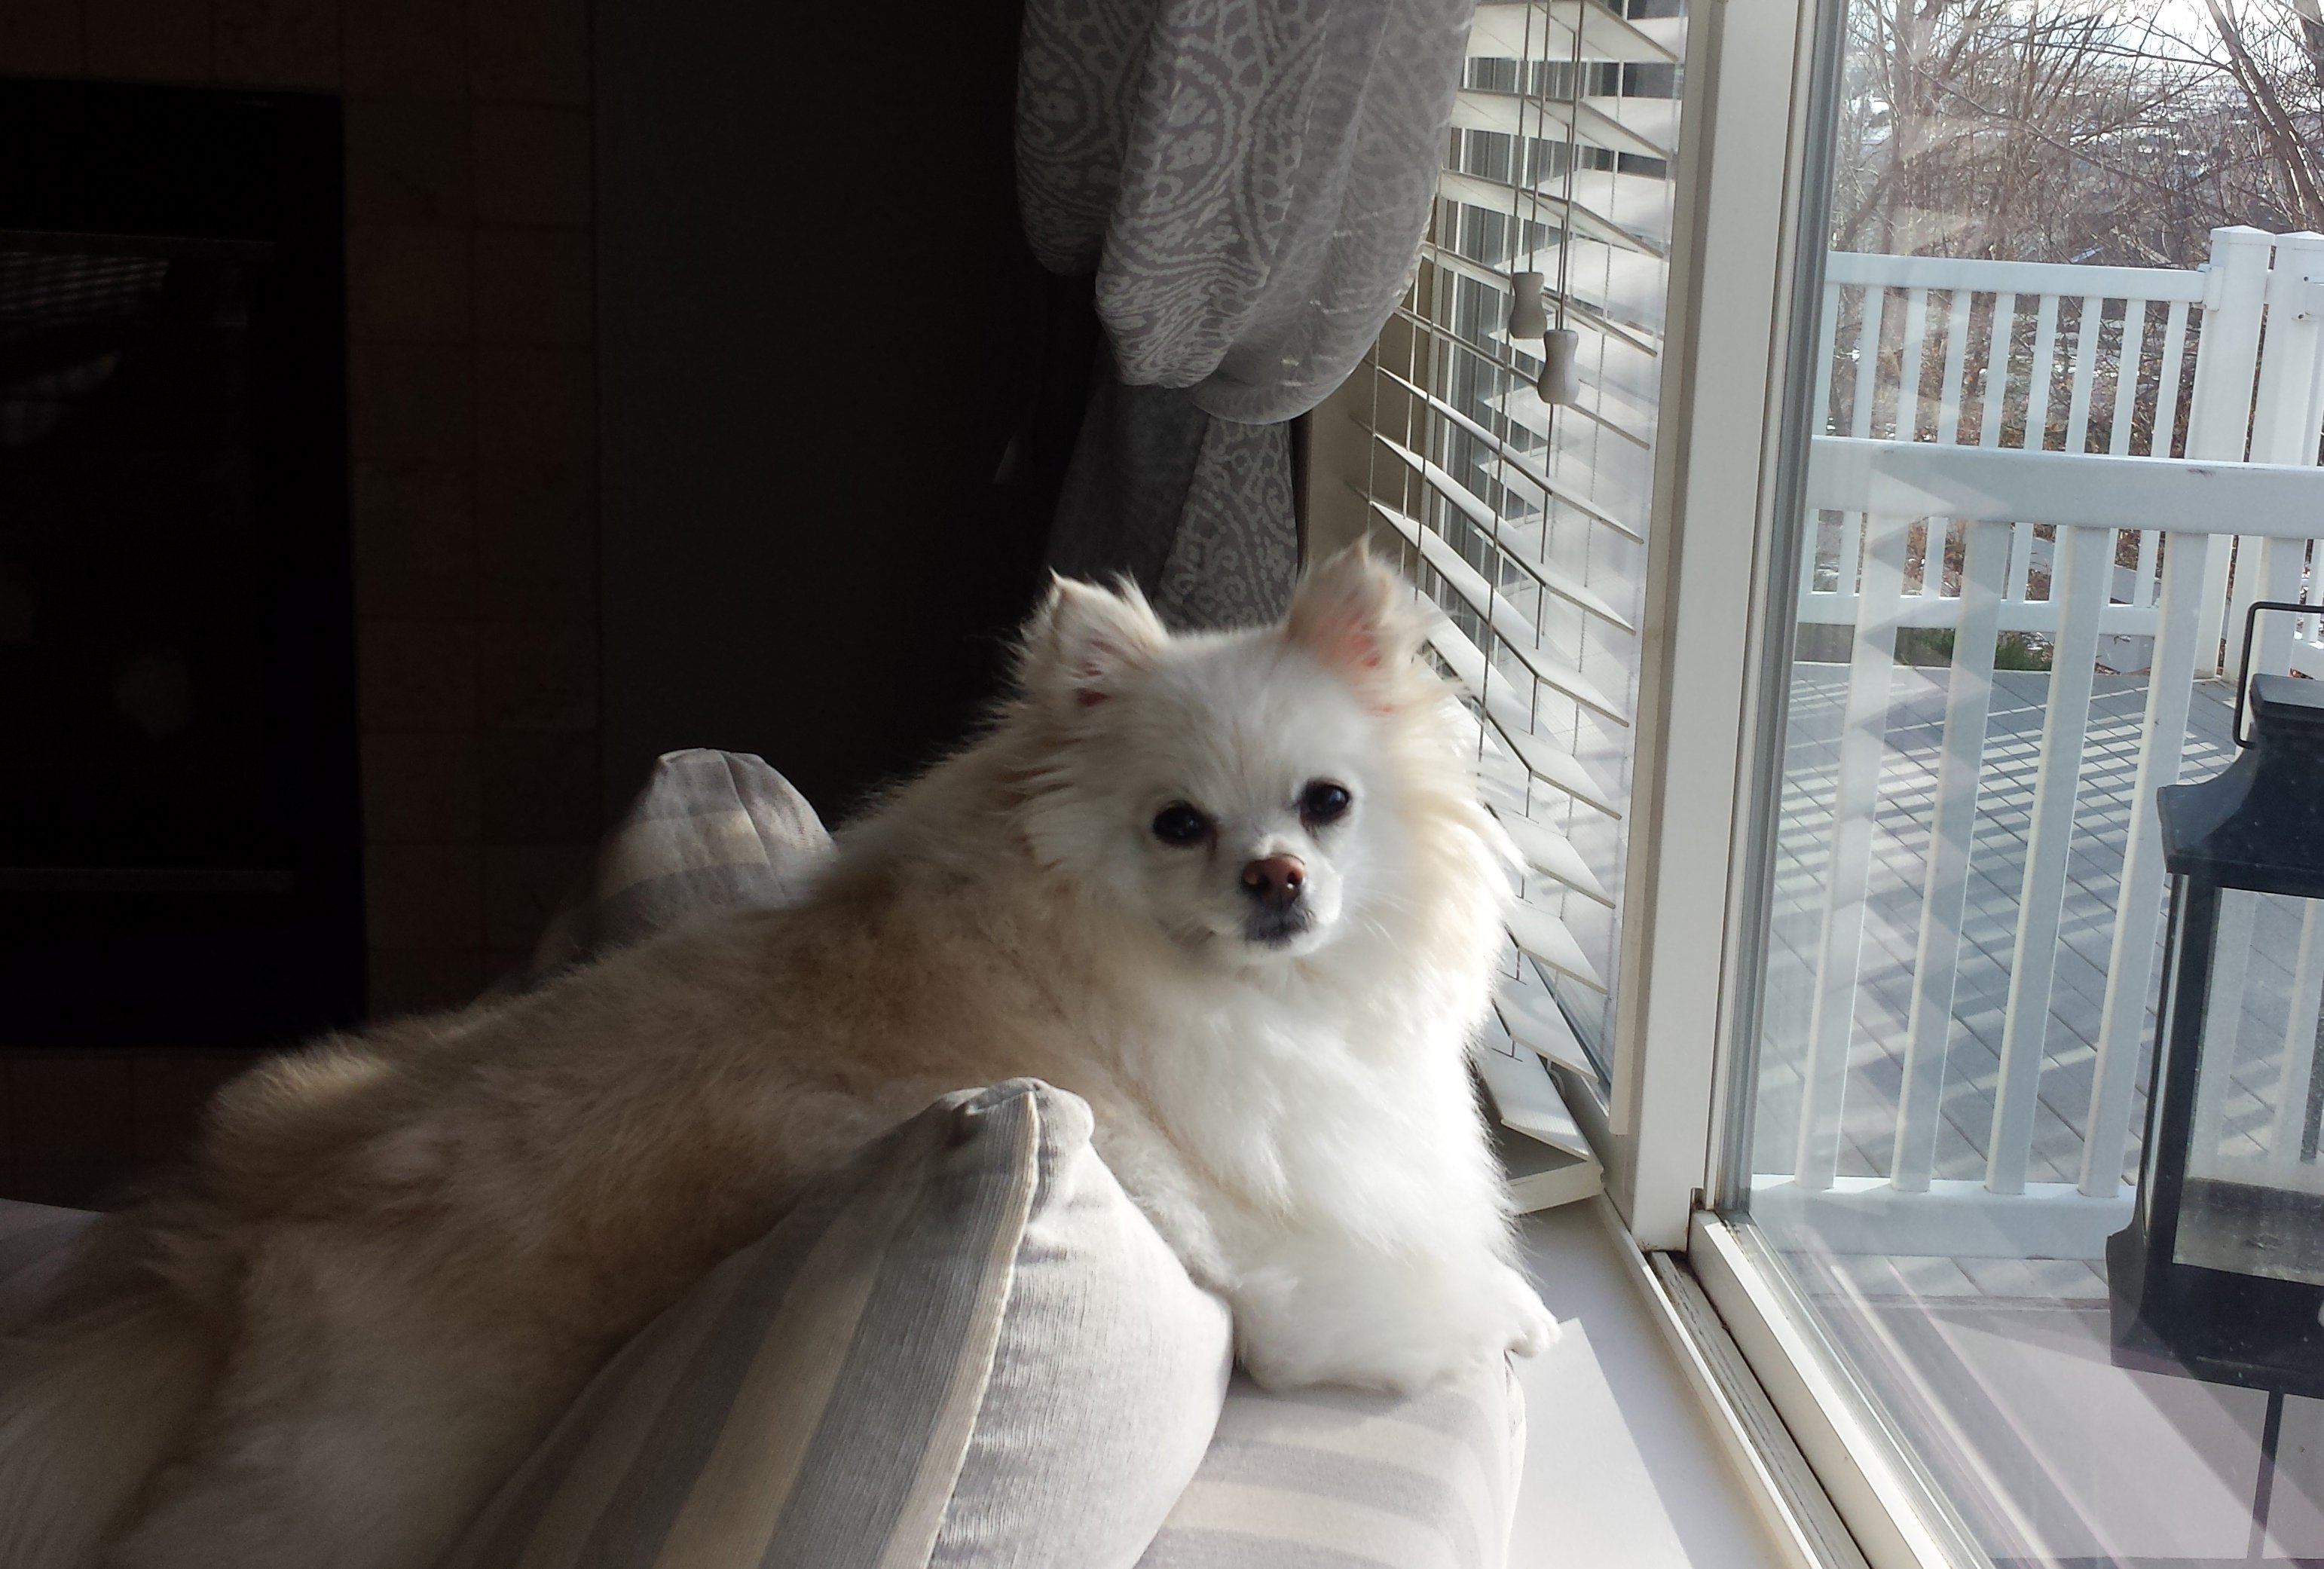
{"x": 1251, "y": 793}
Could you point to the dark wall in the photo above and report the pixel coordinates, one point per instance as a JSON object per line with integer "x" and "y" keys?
{"x": 836, "y": 392}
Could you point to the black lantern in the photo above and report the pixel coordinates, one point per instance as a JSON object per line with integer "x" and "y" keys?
{"x": 2220, "y": 1272}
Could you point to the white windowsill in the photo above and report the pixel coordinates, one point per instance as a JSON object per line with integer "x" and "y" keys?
{"x": 1623, "y": 1469}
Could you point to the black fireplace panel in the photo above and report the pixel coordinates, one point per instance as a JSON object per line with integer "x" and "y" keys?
{"x": 179, "y": 834}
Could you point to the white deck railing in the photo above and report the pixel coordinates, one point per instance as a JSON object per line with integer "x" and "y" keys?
{"x": 1979, "y": 407}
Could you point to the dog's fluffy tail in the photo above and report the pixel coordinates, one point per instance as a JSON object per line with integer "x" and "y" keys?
{"x": 94, "y": 1395}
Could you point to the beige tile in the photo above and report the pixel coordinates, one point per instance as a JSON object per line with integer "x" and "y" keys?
{"x": 40, "y": 37}
{"x": 523, "y": 885}
{"x": 537, "y": 677}
{"x": 405, "y": 49}
{"x": 416, "y": 677}
{"x": 407, "y": 160}
{"x": 531, "y": 164}
{"x": 540, "y": 787}
{"x": 148, "y": 39}
{"x": 537, "y": 542}
{"x": 531, "y": 51}
{"x": 423, "y": 980}
{"x": 423, "y": 896}
{"x": 410, "y": 401}
{"x": 408, "y": 284}
{"x": 277, "y": 43}
{"x": 415, "y": 541}
{"x": 533, "y": 286}
{"x": 170, "y": 1090}
{"x": 420, "y": 788}
{"x": 71, "y": 1105}
{"x": 536, "y": 404}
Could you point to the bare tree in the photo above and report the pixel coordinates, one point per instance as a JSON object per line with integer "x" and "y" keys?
{"x": 2272, "y": 155}
{"x": 2116, "y": 131}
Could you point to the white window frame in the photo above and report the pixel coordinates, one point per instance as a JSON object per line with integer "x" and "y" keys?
{"x": 1751, "y": 184}
{"x": 1740, "y": 179}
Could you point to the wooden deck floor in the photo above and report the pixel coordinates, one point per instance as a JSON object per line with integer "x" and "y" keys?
{"x": 1908, "y": 783}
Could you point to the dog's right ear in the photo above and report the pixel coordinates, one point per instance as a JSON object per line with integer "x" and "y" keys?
{"x": 1084, "y": 640}
{"x": 1354, "y": 613}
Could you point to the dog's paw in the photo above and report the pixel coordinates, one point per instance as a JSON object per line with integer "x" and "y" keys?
{"x": 1532, "y": 1330}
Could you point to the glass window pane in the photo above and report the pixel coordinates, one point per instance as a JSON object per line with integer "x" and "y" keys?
{"x": 2062, "y": 235}
{"x": 2254, "y": 1199}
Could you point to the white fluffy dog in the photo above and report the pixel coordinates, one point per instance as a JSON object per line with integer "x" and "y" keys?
{"x": 1236, "y": 890}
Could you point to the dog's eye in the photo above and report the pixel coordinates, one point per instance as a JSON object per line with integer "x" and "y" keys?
{"x": 1181, "y": 824}
{"x": 1324, "y": 802}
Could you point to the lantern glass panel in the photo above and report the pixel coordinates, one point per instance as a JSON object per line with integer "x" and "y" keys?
{"x": 2253, "y": 1199}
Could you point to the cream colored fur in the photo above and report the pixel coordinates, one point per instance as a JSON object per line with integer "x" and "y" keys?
{"x": 401, "y": 1254}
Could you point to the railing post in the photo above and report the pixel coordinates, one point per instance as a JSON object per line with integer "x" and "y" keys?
{"x": 2084, "y": 568}
{"x": 2218, "y": 416}
{"x": 1855, "y": 806}
{"x": 2286, "y": 415}
{"x": 2284, "y": 420}
{"x": 2139, "y": 914}
{"x": 1953, "y": 832}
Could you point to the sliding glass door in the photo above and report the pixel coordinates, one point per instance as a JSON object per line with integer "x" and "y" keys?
{"x": 2058, "y": 379}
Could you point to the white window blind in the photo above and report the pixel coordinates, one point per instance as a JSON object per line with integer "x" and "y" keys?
{"x": 1526, "y": 521}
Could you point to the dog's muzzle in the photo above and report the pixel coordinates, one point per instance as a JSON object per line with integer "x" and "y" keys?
{"x": 1273, "y": 928}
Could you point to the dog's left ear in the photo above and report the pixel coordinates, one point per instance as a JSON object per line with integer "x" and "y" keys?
{"x": 1084, "y": 640}
{"x": 1355, "y": 614}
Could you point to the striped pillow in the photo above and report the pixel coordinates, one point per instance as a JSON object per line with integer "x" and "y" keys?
{"x": 965, "y": 1348}
{"x": 710, "y": 830}
{"x": 1338, "y": 1479}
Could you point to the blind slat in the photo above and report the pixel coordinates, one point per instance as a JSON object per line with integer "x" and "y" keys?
{"x": 1521, "y": 462}
{"x": 1555, "y": 120}
{"x": 1595, "y": 316}
{"x": 1510, "y": 624}
{"x": 1588, "y": 222}
{"x": 1526, "y": 1101}
{"x": 1503, "y": 29}
{"x": 1532, "y": 1017}
{"x": 1512, "y": 722}
{"x": 1465, "y": 347}
{"x": 1543, "y": 935}
{"x": 1551, "y": 855}
{"x": 1555, "y": 579}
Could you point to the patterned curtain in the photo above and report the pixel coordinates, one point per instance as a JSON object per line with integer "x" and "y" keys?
{"x": 1248, "y": 180}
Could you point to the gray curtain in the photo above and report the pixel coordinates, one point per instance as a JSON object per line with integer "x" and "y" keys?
{"x": 1248, "y": 180}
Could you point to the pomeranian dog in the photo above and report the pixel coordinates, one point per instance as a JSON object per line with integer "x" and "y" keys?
{"x": 1235, "y": 890}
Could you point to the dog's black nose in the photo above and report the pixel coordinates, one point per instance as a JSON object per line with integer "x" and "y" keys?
{"x": 1275, "y": 881}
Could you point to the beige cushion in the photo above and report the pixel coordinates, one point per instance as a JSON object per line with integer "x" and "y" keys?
{"x": 965, "y": 1348}
{"x": 709, "y": 831}
{"x": 1336, "y": 1478}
